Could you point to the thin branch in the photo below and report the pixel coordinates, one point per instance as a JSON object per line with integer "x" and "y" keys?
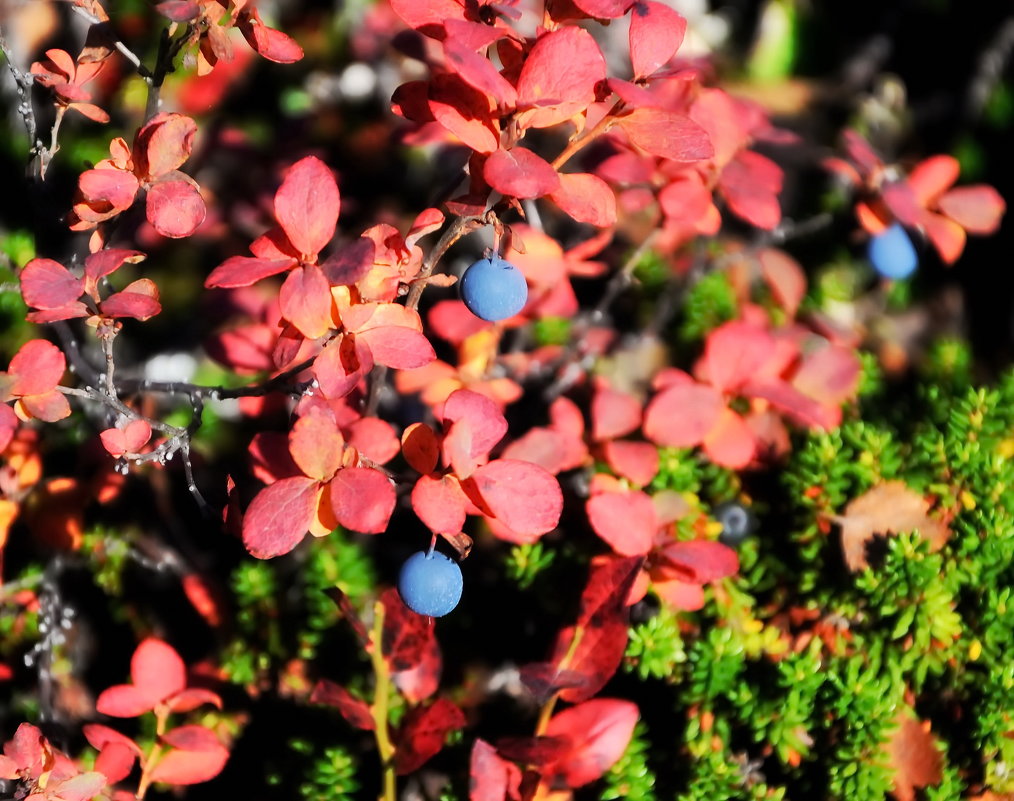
{"x": 24, "y": 82}
{"x": 125, "y": 51}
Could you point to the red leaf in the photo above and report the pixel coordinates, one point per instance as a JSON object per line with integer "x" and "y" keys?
{"x": 522, "y": 496}
{"x": 362, "y": 499}
{"x": 353, "y": 709}
{"x": 422, "y": 680}
{"x": 37, "y": 368}
{"x": 192, "y": 738}
{"x": 340, "y": 366}
{"x": 279, "y": 517}
{"x": 422, "y": 734}
{"x": 115, "y": 187}
{"x": 175, "y": 208}
{"x": 420, "y": 447}
{"x": 106, "y": 262}
{"x": 520, "y": 173}
{"x": 374, "y": 438}
{"x": 477, "y": 71}
{"x": 129, "y": 439}
{"x": 191, "y": 698}
{"x": 407, "y": 636}
{"x": 603, "y": 9}
{"x": 190, "y": 767}
{"x": 490, "y": 777}
{"x": 307, "y": 205}
{"x": 538, "y": 751}
{"x": 317, "y": 445}
{"x": 439, "y": 503}
{"x": 559, "y": 76}
{"x": 735, "y": 353}
{"x": 789, "y": 400}
{"x": 586, "y": 198}
{"x": 465, "y": 112}
{"x": 667, "y": 134}
{"x": 750, "y": 183}
{"x": 701, "y": 561}
{"x": 83, "y": 787}
{"x": 399, "y": 347}
{"x": 932, "y": 177}
{"x": 946, "y": 236}
{"x": 597, "y": 733}
{"x": 682, "y": 415}
{"x": 46, "y": 284}
{"x": 305, "y": 300}
{"x": 8, "y": 425}
{"x": 977, "y": 209}
{"x": 270, "y": 43}
{"x": 625, "y": 520}
{"x": 239, "y": 271}
{"x": 115, "y": 761}
{"x": 656, "y": 33}
{"x": 547, "y": 448}
{"x": 139, "y": 300}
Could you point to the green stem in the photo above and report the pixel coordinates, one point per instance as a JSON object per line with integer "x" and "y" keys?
{"x": 379, "y": 708}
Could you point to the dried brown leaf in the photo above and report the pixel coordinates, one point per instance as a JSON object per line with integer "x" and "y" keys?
{"x": 888, "y": 508}
{"x": 913, "y": 755}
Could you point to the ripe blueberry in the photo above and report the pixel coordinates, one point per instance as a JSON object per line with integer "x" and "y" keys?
{"x": 737, "y": 522}
{"x": 892, "y": 253}
{"x": 493, "y": 289}
{"x": 430, "y": 583}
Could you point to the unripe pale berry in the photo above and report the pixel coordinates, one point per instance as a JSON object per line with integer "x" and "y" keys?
{"x": 493, "y": 289}
{"x": 737, "y": 522}
{"x": 892, "y": 253}
{"x": 430, "y": 583}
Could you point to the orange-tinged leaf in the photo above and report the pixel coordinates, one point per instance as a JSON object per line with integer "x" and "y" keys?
{"x": 932, "y": 177}
{"x": 399, "y": 347}
{"x": 279, "y": 516}
{"x": 888, "y": 508}
{"x": 420, "y": 447}
{"x": 36, "y": 368}
{"x": 48, "y": 407}
{"x": 307, "y": 205}
{"x": 635, "y": 461}
{"x": 239, "y": 271}
{"x": 164, "y": 143}
{"x": 139, "y": 299}
{"x": 785, "y": 277}
{"x": 586, "y": 198}
{"x": 625, "y": 520}
{"x": 485, "y": 421}
{"x": 479, "y": 72}
{"x": 305, "y": 300}
{"x": 129, "y": 439}
{"x": 947, "y": 237}
{"x": 735, "y": 353}
{"x": 465, "y": 112}
{"x": 183, "y": 767}
{"x": 317, "y": 445}
{"x": 731, "y": 442}
{"x": 157, "y": 670}
{"x": 912, "y": 755}
{"x": 268, "y": 42}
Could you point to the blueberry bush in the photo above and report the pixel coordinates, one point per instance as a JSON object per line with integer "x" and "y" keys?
{"x": 506, "y": 401}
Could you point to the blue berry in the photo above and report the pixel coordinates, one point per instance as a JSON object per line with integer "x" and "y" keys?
{"x": 430, "y": 583}
{"x": 892, "y": 253}
{"x": 737, "y": 522}
{"x": 493, "y": 289}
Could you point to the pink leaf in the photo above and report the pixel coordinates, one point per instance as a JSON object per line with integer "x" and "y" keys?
{"x": 731, "y": 442}
{"x": 702, "y": 561}
{"x": 307, "y": 205}
{"x": 239, "y": 271}
{"x": 656, "y": 33}
{"x": 192, "y": 738}
{"x": 522, "y": 496}
{"x": 46, "y": 284}
{"x": 124, "y": 701}
{"x": 399, "y": 347}
{"x": 175, "y": 208}
{"x": 635, "y": 461}
{"x": 190, "y": 767}
{"x": 268, "y": 42}
{"x": 485, "y": 421}
{"x": 597, "y": 733}
{"x": 734, "y": 353}
{"x": 38, "y": 366}
{"x": 586, "y": 198}
{"x": 354, "y": 710}
{"x": 479, "y": 72}
{"x": 977, "y": 209}
{"x": 129, "y": 439}
{"x": 139, "y": 300}
{"x": 492, "y": 778}
{"x": 682, "y": 415}
{"x": 625, "y": 520}
{"x": 362, "y": 499}
{"x": 614, "y": 414}
{"x": 156, "y": 669}
{"x": 279, "y": 516}
{"x": 439, "y": 503}
{"x": 785, "y": 277}
{"x": 520, "y": 173}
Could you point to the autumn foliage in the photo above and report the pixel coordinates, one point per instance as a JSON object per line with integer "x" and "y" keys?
{"x": 240, "y": 389}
